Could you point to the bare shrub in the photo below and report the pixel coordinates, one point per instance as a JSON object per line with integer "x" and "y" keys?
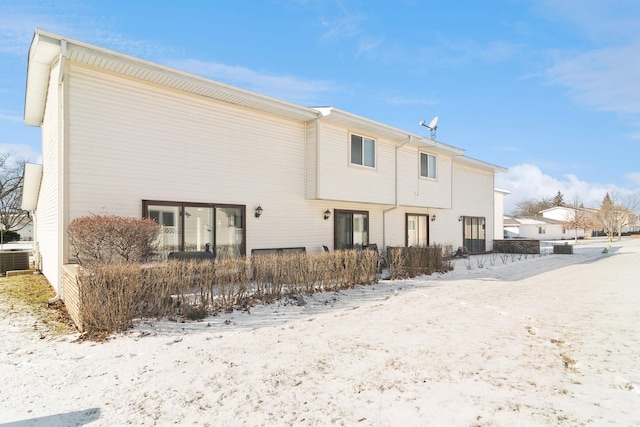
{"x": 504, "y": 258}
{"x": 492, "y": 259}
{"x": 112, "y": 239}
{"x": 468, "y": 264}
{"x": 108, "y": 295}
{"x": 113, "y": 295}
{"x": 414, "y": 261}
{"x": 481, "y": 261}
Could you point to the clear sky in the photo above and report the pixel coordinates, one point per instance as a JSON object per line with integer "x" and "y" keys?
{"x": 547, "y": 88}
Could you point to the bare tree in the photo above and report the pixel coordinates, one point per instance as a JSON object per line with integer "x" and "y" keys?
{"x": 532, "y": 207}
{"x": 558, "y": 199}
{"x": 578, "y": 218}
{"x": 615, "y": 214}
{"x": 11, "y": 180}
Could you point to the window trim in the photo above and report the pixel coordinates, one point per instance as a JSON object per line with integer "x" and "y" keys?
{"x": 214, "y": 206}
{"x": 375, "y": 151}
{"x": 433, "y": 178}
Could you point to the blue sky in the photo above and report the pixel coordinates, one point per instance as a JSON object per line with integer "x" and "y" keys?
{"x": 547, "y": 88}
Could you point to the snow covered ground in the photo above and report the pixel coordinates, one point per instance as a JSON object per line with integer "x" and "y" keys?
{"x": 535, "y": 341}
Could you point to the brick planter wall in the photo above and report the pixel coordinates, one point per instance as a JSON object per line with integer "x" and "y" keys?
{"x": 71, "y": 293}
{"x": 563, "y": 249}
{"x": 516, "y": 246}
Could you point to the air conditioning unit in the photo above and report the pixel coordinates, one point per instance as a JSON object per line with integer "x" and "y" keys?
{"x": 13, "y": 260}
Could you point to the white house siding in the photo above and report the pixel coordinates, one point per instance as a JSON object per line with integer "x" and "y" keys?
{"x": 498, "y": 214}
{"x": 561, "y": 213}
{"x": 473, "y": 195}
{"x": 423, "y": 192}
{"x": 48, "y": 214}
{"x": 339, "y": 180}
{"x": 137, "y": 141}
{"x": 311, "y": 173}
{"x": 533, "y": 231}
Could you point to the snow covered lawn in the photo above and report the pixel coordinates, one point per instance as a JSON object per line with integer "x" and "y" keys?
{"x": 546, "y": 340}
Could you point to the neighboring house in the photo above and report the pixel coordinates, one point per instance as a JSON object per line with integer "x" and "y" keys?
{"x": 499, "y": 194}
{"x": 565, "y": 213}
{"x": 125, "y": 136}
{"x": 20, "y": 223}
{"x": 538, "y": 228}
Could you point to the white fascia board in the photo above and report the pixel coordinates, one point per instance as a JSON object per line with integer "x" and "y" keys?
{"x": 32, "y": 176}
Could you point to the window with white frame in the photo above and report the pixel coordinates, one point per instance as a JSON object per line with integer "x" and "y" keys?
{"x": 363, "y": 151}
{"x": 542, "y": 230}
{"x": 428, "y": 166}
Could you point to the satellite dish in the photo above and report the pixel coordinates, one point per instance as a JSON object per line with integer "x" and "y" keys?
{"x": 432, "y": 126}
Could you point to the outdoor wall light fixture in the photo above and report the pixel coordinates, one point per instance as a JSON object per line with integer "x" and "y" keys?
{"x": 259, "y": 211}
{"x": 460, "y": 218}
{"x": 433, "y": 217}
{"x": 327, "y": 214}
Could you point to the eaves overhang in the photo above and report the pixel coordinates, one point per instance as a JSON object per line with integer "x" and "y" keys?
{"x": 470, "y": 161}
{"x": 46, "y": 48}
{"x": 373, "y": 128}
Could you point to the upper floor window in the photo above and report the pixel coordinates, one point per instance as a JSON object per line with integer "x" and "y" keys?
{"x": 363, "y": 151}
{"x": 427, "y": 165}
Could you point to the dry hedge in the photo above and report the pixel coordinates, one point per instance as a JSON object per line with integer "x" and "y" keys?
{"x": 113, "y": 295}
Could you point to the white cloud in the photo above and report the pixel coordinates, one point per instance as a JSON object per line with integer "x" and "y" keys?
{"x": 293, "y": 89}
{"x": 634, "y": 179}
{"x": 399, "y": 100}
{"x": 21, "y": 152}
{"x": 604, "y": 79}
{"x": 10, "y": 117}
{"x": 527, "y": 181}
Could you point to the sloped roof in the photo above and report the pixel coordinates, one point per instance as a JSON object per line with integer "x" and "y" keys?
{"x": 530, "y": 220}
{"x": 48, "y": 48}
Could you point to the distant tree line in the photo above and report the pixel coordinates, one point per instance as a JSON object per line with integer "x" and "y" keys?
{"x": 613, "y": 214}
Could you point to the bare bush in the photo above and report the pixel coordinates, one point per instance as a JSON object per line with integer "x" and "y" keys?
{"x": 481, "y": 261}
{"x": 113, "y": 295}
{"x": 504, "y": 258}
{"x": 492, "y": 259}
{"x": 468, "y": 264}
{"x": 112, "y": 239}
{"x": 414, "y": 261}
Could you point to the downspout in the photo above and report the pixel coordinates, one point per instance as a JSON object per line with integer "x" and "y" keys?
{"x": 395, "y": 206}
{"x": 61, "y": 75}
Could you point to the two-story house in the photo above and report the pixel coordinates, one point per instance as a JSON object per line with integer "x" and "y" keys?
{"x": 237, "y": 170}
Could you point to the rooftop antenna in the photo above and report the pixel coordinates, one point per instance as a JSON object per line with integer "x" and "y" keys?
{"x": 432, "y": 126}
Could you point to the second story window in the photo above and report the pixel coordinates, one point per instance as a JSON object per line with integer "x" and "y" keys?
{"x": 428, "y": 166}
{"x": 363, "y": 151}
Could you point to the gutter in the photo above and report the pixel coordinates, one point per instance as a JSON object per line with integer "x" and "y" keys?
{"x": 395, "y": 206}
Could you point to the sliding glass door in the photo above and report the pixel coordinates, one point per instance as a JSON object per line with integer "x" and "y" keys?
{"x": 351, "y": 229}
{"x": 199, "y": 227}
{"x": 417, "y": 230}
{"x": 474, "y": 234}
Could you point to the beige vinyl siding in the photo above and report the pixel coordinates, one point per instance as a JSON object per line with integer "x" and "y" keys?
{"x": 48, "y": 229}
{"x": 311, "y": 159}
{"x": 339, "y": 180}
{"x": 474, "y": 196}
{"x": 132, "y": 141}
{"x": 423, "y": 192}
